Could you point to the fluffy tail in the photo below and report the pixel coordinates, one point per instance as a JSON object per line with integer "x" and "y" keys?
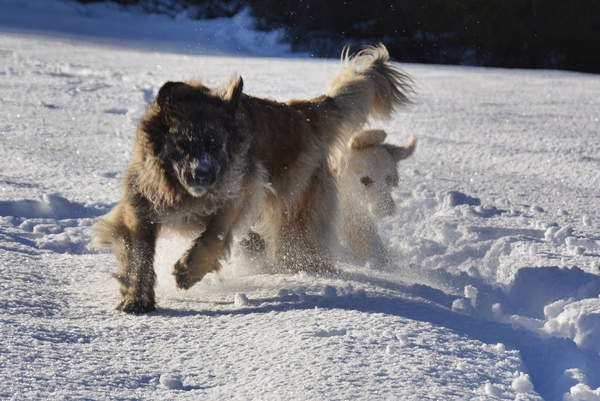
{"x": 369, "y": 87}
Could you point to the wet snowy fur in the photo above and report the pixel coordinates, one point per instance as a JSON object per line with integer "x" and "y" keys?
{"x": 365, "y": 183}
{"x": 211, "y": 163}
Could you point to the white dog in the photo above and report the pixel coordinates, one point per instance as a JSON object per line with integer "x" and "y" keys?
{"x": 365, "y": 185}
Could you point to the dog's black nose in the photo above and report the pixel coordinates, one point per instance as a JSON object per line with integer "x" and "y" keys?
{"x": 203, "y": 176}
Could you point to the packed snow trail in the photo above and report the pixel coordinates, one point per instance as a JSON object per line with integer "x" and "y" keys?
{"x": 494, "y": 291}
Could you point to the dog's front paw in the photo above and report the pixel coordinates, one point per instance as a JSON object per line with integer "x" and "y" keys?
{"x": 184, "y": 277}
{"x": 136, "y": 306}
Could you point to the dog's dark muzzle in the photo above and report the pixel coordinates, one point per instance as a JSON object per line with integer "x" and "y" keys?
{"x": 202, "y": 175}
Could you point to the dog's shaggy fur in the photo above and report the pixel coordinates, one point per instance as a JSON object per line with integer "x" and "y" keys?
{"x": 211, "y": 163}
{"x": 365, "y": 185}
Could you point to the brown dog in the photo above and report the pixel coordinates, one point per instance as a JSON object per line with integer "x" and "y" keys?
{"x": 213, "y": 162}
{"x": 365, "y": 183}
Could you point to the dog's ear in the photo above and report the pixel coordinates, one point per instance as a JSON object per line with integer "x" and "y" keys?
{"x": 364, "y": 139}
{"x": 233, "y": 93}
{"x": 166, "y": 94}
{"x": 401, "y": 152}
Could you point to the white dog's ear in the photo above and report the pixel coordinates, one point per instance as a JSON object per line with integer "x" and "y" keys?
{"x": 364, "y": 139}
{"x": 401, "y": 152}
{"x": 233, "y": 93}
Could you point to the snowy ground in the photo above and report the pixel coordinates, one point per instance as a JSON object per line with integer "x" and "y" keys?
{"x": 494, "y": 292}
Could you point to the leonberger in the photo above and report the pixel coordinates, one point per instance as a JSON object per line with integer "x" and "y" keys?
{"x": 212, "y": 163}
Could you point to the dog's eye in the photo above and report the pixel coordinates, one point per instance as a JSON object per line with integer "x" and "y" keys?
{"x": 366, "y": 181}
{"x": 213, "y": 144}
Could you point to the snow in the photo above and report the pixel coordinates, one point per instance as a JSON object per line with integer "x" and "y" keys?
{"x": 171, "y": 382}
{"x": 582, "y": 392}
{"x": 492, "y": 390}
{"x": 112, "y": 25}
{"x": 522, "y": 384}
{"x": 329, "y": 292}
{"x": 471, "y": 293}
{"x": 240, "y": 299}
{"x": 493, "y": 292}
{"x": 577, "y": 320}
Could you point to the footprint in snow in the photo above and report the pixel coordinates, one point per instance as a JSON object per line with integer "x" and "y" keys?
{"x": 330, "y": 333}
{"x": 116, "y": 111}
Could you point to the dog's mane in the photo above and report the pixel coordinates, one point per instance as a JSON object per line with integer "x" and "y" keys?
{"x": 157, "y": 182}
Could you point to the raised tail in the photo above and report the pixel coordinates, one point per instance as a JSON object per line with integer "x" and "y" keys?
{"x": 369, "y": 87}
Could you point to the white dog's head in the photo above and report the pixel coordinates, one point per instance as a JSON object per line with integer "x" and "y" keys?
{"x": 371, "y": 172}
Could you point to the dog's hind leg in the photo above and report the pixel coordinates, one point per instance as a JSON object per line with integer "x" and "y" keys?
{"x": 307, "y": 240}
{"x": 133, "y": 240}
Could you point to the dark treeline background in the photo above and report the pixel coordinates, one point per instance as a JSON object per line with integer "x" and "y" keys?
{"x": 559, "y": 34}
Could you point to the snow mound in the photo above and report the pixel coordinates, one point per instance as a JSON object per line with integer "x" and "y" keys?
{"x": 240, "y": 300}
{"x": 522, "y": 384}
{"x": 492, "y": 390}
{"x": 582, "y": 392}
{"x": 171, "y": 382}
{"x": 578, "y": 320}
